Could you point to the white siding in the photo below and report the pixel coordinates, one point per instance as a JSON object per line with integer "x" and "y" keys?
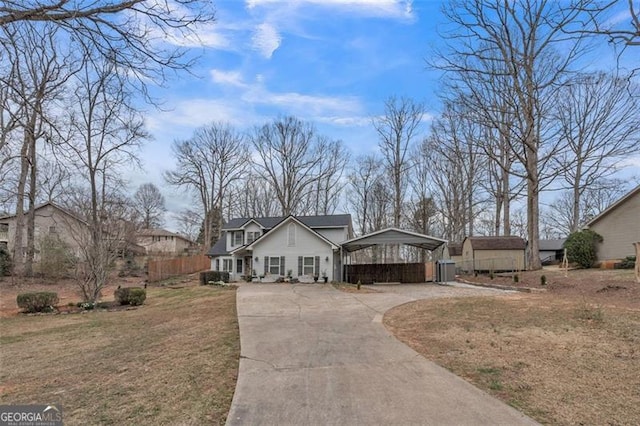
{"x": 276, "y": 244}
{"x": 335, "y": 235}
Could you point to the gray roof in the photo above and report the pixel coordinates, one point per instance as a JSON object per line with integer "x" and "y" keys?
{"x": 551, "y": 245}
{"x": 220, "y": 247}
{"x": 334, "y": 220}
{"x": 497, "y": 243}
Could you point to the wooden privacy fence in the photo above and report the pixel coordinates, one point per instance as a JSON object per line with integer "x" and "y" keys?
{"x": 388, "y": 272}
{"x": 159, "y": 269}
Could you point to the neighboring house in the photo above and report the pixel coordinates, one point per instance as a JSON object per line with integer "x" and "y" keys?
{"x": 56, "y": 222}
{"x": 50, "y": 220}
{"x": 551, "y": 251}
{"x": 270, "y": 247}
{"x": 455, "y": 252}
{"x": 493, "y": 254}
{"x": 161, "y": 241}
{"x": 619, "y": 226}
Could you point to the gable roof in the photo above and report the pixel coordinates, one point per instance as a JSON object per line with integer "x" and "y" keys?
{"x": 323, "y": 221}
{"x": 158, "y": 232}
{"x": 393, "y": 236}
{"x": 55, "y": 206}
{"x": 281, "y": 224}
{"x": 615, "y": 205}
{"x": 551, "y": 245}
{"x": 497, "y": 243}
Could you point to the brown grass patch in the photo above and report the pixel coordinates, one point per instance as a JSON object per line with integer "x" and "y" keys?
{"x": 559, "y": 361}
{"x": 172, "y": 361}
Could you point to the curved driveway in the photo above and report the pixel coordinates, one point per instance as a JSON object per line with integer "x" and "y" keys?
{"x": 312, "y": 355}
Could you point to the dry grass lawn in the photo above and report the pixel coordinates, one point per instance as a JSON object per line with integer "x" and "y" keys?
{"x": 172, "y": 361}
{"x": 561, "y": 360}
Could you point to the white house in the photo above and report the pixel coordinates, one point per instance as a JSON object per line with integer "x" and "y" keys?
{"x": 304, "y": 247}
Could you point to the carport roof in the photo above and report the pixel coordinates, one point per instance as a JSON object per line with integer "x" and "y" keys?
{"x": 393, "y": 236}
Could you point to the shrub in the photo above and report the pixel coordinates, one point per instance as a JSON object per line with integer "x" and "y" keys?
{"x": 208, "y": 276}
{"x": 42, "y": 301}
{"x": 628, "y": 262}
{"x": 56, "y": 258}
{"x": 581, "y": 247}
{"x": 133, "y": 296}
{"x": 516, "y": 278}
{"x": 5, "y": 262}
{"x": 543, "y": 280}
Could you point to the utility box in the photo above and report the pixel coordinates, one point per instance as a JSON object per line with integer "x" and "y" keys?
{"x": 445, "y": 270}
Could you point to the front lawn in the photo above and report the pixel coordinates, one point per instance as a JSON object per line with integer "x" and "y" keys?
{"x": 173, "y": 360}
{"x": 559, "y": 358}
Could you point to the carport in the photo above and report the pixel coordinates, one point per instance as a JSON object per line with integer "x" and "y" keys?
{"x": 387, "y": 236}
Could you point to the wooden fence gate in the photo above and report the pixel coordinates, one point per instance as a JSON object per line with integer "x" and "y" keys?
{"x": 160, "y": 269}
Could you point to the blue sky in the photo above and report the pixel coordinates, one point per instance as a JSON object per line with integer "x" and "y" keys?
{"x": 332, "y": 62}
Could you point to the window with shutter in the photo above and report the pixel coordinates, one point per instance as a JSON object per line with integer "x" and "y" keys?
{"x": 309, "y": 265}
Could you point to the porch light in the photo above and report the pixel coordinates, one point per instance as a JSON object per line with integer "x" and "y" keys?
{"x": 326, "y": 259}
{"x": 256, "y": 259}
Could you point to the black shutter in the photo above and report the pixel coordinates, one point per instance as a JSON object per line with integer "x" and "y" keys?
{"x": 299, "y": 265}
{"x": 317, "y": 266}
{"x": 266, "y": 265}
{"x": 282, "y": 270}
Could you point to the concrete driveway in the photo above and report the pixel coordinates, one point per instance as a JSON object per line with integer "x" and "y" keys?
{"x": 312, "y": 355}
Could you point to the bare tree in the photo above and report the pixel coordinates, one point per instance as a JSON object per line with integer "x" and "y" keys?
{"x": 397, "y": 130}
{"x": 104, "y": 133}
{"x": 34, "y": 80}
{"x": 148, "y": 203}
{"x": 289, "y": 155}
{"x": 189, "y": 223}
{"x": 627, "y": 35}
{"x": 593, "y": 200}
{"x": 135, "y": 36}
{"x": 535, "y": 43}
{"x": 325, "y": 197}
{"x": 208, "y": 164}
{"x": 252, "y": 197}
{"x": 363, "y": 179}
{"x": 598, "y": 119}
{"x": 456, "y": 170}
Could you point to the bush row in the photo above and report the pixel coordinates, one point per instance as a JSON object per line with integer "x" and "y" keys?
{"x": 212, "y": 276}
{"x": 42, "y": 301}
{"x": 133, "y": 296}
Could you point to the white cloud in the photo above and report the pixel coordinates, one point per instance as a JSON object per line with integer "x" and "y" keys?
{"x": 231, "y": 78}
{"x": 308, "y": 106}
{"x": 398, "y": 9}
{"x": 630, "y": 162}
{"x": 346, "y": 121}
{"x": 266, "y": 39}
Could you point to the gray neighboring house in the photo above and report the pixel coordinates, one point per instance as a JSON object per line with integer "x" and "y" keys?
{"x": 551, "y": 251}
{"x": 307, "y": 246}
{"x": 619, "y": 226}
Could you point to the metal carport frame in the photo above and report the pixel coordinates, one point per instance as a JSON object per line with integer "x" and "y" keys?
{"x": 389, "y": 236}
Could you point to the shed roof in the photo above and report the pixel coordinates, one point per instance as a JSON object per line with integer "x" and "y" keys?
{"x": 551, "y": 245}
{"x": 393, "y": 236}
{"x": 497, "y": 243}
